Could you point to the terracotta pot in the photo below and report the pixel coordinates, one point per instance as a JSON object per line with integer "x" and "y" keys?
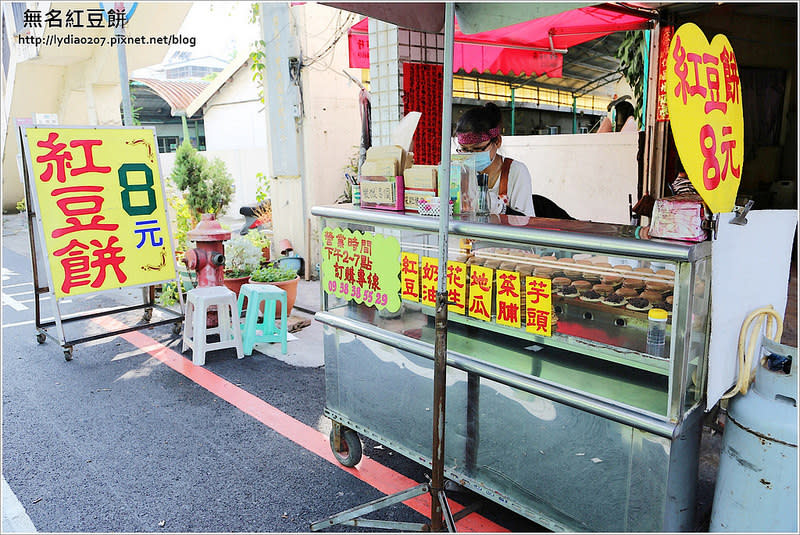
{"x": 290, "y": 287}
{"x": 235, "y": 283}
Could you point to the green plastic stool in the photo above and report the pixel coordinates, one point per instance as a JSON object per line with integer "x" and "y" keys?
{"x": 255, "y": 295}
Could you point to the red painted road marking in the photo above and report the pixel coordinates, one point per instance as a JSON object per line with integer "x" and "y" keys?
{"x": 372, "y": 472}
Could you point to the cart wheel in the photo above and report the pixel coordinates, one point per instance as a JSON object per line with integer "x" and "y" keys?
{"x": 148, "y": 314}
{"x": 41, "y": 338}
{"x": 68, "y": 353}
{"x": 177, "y": 327}
{"x": 351, "y": 448}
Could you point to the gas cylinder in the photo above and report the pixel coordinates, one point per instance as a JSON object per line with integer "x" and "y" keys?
{"x": 756, "y": 487}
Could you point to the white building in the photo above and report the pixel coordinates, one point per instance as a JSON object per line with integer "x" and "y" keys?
{"x": 77, "y": 84}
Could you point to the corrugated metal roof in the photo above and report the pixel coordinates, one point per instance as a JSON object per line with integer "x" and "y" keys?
{"x": 177, "y": 94}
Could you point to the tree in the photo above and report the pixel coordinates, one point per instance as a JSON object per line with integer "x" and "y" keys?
{"x": 208, "y": 186}
{"x": 631, "y": 61}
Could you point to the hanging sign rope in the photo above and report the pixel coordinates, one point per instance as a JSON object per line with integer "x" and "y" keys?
{"x": 705, "y": 106}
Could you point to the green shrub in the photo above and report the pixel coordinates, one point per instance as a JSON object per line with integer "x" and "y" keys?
{"x": 258, "y": 238}
{"x": 208, "y": 186}
{"x": 242, "y": 257}
{"x": 273, "y": 273}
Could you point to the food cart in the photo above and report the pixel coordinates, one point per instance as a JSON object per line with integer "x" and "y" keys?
{"x": 559, "y": 405}
{"x": 578, "y": 430}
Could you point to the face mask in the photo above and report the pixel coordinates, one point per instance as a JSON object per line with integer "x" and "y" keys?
{"x": 482, "y": 160}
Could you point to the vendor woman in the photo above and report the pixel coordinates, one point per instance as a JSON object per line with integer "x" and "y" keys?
{"x": 478, "y": 132}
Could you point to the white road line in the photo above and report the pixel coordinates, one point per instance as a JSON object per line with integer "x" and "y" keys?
{"x": 29, "y": 322}
{"x": 15, "y": 285}
{"x": 7, "y": 300}
{"x": 7, "y": 273}
{"x": 29, "y": 292}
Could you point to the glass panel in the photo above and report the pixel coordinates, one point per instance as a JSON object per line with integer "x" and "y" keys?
{"x": 598, "y": 299}
{"x": 698, "y": 334}
{"x": 529, "y": 451}
{"x": 595, "y": 346}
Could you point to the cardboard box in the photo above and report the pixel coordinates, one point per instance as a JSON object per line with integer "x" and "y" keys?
{"x": 382, "y": 192}
{"x": 413, "y": 194}
{"x": 379, "y": 167}
{"x": 421, "y": 177}
{"x": 391, "y": 152}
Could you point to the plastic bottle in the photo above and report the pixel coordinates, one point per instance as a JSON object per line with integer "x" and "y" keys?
{"x": 483, "y": 194}
{"x": 656, "y": 332}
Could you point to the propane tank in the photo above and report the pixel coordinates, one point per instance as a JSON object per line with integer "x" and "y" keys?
{"x": 756, "y": 487}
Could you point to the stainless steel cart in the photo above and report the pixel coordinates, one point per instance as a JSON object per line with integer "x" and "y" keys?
{"x": 579, "y": 430}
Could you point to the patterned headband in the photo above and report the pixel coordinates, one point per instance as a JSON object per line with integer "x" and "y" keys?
{"x": 471, "y": 138}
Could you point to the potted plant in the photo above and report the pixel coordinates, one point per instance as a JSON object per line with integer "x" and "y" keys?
{"x": 283, "y": 278}
{"x": 260, "y": 239}
{"x": 242, "y": 258}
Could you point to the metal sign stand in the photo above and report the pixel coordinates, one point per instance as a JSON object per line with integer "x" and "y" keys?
{"x": 59, "y": 320}
{"x": 435, "y": 487}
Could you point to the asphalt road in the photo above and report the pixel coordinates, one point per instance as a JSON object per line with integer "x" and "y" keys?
{"x": 130, "y": 437}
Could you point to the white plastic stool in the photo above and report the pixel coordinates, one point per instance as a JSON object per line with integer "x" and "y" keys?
{"x": 195, "y": 331}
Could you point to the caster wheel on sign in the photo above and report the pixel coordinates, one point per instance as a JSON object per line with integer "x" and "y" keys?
{"x": 68, "y": 353}
{"x": 351, "y": 448}
{"x": 148, "y": 314}
{"x": 177, "y": 327}
{"x": 41, "y": 338}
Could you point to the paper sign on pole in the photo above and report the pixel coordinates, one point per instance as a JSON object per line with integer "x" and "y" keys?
{"x": 481, "y": 284}
{"x": 538, "y": 305}
{"x": 457, "y": 287}
{"x": 100, "y": 200}
{"x": 361, "y": 266}
{"x": 509, "y": 298}
{"x": 430, "y": 277}
{"x": 704, "y": 100}
{"x": 409, "y": 276}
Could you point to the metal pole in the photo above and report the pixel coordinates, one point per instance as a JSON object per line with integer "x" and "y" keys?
{"x": 513, "y": 114}
{"x": 440, "y": 347}
{"x": 574, "y": 114}
{"x": 127, "y": 112}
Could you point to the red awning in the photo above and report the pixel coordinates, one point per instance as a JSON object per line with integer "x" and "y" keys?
{"x": 532, "y": 47}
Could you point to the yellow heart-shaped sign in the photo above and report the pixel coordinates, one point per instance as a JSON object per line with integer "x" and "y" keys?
{"x": 704, "y": 100}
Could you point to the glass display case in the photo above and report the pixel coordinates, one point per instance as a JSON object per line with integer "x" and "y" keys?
{"x": 560, "y": 406}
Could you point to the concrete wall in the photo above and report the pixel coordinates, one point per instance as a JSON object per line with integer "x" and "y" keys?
{"x": 236, "y": 131}
{"x": 588, "y": 175}
{"x": 331, "y": 124}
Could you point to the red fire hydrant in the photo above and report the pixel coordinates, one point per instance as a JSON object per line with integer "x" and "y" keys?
{"x": 208, "y": 258}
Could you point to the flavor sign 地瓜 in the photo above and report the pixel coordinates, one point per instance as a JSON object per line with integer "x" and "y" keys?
{"x": 100, "y": 201}
{"x": 705, "y": 107}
